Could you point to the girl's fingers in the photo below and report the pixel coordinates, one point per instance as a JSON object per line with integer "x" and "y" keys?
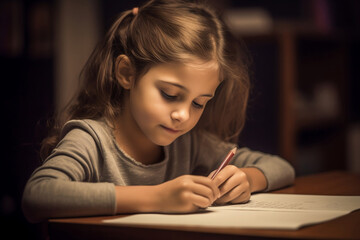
{"x": 243, "y": 198}
{"x": 206, "y": 187}
{"x": 200, "y": 201}
{"x": 187, "y": 193}
{"x": 204, "y": 192}
{"x": 233, "y": 184}
{"x": 224, "y": 175}
{"x": 233, "y": 181}
{"x": 239, "y": 194}
{"x": 211, "y": 174}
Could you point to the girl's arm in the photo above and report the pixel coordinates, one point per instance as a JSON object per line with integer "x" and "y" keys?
{"x": 55, "y": 198}
{"x": 68, "y": 183}
{"x": 250, "y": 171}
{"x": 210, "y": 151}
{"x": 183, "y": 194}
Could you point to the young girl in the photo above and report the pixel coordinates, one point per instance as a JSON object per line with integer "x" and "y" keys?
{"x": 163, "y": 98}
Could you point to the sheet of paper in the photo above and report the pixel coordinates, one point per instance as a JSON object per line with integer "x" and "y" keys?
{"x": 296, "y": 202}
{"x": 265, "y": 211}
{"x": 230, "y": 219}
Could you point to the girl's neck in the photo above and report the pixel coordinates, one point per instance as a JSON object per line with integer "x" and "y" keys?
{"x": 131, "y": 140}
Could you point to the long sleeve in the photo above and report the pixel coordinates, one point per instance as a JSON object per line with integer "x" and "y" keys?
{"x": 79, "y": 177}
{"x": 67, "y": 183}
{"x": 277, "y": 171}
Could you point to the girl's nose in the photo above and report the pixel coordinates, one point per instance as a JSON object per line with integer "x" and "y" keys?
{"x": 181, "y": 114}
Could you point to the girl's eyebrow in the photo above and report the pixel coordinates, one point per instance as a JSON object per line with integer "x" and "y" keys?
{"x": 184, "y": 88}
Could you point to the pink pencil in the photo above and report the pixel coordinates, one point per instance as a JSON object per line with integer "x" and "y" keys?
{"x": 225, "y": 162}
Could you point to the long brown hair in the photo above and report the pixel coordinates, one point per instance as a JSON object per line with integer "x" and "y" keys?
{"x": 162, "y": 31}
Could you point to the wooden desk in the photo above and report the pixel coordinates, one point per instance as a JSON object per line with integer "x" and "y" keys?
{"x": 332, "y": 183}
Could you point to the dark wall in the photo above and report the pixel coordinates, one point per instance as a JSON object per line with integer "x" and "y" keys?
{"x": 27, "y": 98}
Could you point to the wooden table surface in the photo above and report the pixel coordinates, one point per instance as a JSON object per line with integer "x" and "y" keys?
{"x": 329, "y": 183}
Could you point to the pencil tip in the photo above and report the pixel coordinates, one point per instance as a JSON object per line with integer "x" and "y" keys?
{"x": 234, "y": 150}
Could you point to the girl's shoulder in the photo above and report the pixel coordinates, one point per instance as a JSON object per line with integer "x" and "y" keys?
{"x": 96, "y": 128}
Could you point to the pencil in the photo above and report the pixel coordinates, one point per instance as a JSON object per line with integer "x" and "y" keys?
{"x": 225, "y": 162}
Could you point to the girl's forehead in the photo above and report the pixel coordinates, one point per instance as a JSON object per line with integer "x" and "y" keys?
{"x": 195, "y": 68}
{"x": 202, "y": 64}
{"x": 194, "y": 76}
{"x": 192, "y": 63}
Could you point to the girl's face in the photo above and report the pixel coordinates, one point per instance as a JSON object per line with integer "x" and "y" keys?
{"x": 169, "y": 99}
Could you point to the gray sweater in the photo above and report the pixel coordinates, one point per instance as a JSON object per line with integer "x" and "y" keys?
{"x": 79, "y": 176}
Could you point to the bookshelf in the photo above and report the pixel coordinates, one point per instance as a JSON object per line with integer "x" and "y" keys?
{"x": 310, "y": 75}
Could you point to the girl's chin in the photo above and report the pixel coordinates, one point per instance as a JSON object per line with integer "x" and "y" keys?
{"x": 164, "y": 143}
{"x": 165, "y": 139}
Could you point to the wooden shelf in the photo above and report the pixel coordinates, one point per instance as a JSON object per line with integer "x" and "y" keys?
{"x": 305, "y": 58}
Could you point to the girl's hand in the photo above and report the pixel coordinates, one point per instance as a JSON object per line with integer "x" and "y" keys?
{"x": 234, "y": 185}
{"x": 186, "y": 194}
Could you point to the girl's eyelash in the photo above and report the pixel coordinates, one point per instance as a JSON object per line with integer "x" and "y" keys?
{"x": 167, "y": 96}
{"x": 197, "y": 105}
{"x": 173, "y": 98}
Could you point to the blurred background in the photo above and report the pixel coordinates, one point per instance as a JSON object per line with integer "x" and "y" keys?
{"x": 304, "y": 103}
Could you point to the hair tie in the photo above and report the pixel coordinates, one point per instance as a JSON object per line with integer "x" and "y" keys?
{"x": 135, "y": 11}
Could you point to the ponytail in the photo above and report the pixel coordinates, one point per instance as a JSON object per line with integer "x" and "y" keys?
{"x": 100, "y": 94}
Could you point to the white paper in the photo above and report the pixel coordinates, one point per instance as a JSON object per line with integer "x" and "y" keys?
{"x": 265, "y": 211}
{"x": 296, "y": 202}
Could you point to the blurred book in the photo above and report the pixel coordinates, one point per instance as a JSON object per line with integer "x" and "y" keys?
{"x": 248, "y": 21}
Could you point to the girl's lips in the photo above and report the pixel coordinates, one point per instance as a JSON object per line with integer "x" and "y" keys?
{"x": 170, "y": 129}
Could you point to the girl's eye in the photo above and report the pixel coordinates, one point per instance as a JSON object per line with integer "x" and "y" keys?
{"x": 168, "y": 96}
{"x": 197, "y": 105}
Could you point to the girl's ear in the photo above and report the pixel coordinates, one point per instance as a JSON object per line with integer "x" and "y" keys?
{"x": 124, "y": 71}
